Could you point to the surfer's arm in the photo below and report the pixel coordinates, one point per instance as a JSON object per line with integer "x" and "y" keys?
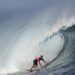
{"x": 43, "y": 60}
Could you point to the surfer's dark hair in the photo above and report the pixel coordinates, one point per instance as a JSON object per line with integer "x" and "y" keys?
{"x": 41, "y": 56}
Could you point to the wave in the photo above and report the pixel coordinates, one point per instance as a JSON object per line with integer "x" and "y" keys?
{"x": 63, "y": 63}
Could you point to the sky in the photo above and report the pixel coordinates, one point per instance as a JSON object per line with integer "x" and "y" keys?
{"x": 25, "y": 23}
{"x": 25, "y": 9}
{"x": 19, "y": 8}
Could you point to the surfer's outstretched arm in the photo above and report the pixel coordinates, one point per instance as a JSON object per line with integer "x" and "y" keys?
{"x": 43, "y": 60}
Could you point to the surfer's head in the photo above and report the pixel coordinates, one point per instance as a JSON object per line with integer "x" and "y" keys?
{"x": 41, "y": 56}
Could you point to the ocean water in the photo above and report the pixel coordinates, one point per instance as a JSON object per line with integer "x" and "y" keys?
{"x": 64, "y": 62}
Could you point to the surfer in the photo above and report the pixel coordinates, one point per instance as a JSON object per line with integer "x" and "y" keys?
{"x": 36, "y": 61}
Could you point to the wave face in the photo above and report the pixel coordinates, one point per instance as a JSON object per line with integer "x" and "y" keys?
{"x": 63, "y": 63}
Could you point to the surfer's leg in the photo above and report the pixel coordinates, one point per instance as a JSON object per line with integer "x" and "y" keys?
{"x": 35, "y": 66}
{"x": 32, "y": 67}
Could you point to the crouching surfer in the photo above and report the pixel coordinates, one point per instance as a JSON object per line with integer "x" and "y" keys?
{"x": 36, "y": 61}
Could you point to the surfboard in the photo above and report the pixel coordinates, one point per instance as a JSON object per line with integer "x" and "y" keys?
{"x": 33, "y": 70}
{"x": 30, "y": 70}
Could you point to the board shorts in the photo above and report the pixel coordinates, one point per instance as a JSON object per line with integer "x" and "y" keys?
{"x": 35, "y": 62}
